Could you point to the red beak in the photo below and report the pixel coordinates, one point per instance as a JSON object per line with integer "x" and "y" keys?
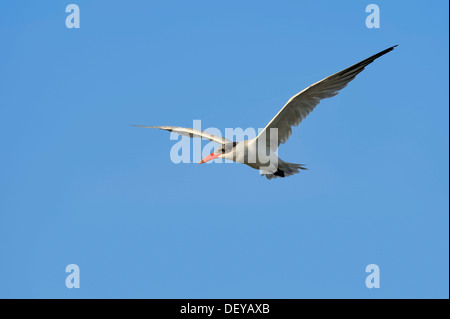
{"x": 208, "y": 158}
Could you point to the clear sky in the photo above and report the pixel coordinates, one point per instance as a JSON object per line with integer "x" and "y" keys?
{"x": 78, "y": 185}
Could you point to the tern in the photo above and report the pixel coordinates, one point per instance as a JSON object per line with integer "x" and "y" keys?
{"x": 279, "y": 128}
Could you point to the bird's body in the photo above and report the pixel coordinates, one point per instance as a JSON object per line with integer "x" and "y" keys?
{"x": 265, "y": 160}
{"x": 260, "y": 152}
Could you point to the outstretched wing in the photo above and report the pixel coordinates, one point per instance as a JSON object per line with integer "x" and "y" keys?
{"x": 300, "y": 105}
{"x": 190, "y": 132}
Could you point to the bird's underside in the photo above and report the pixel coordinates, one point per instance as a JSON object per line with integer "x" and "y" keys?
{"x": 279, "y": 128}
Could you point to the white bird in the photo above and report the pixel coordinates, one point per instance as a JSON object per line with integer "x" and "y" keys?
{"x": 259, "y": 153}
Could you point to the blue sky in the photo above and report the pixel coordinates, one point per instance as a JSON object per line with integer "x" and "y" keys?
{"x": 79, "y": 185}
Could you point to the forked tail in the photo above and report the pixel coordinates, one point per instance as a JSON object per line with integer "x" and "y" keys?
{"x": 285, "y": 169}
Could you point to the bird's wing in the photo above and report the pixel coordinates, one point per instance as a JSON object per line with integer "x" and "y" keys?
{"x": 190, "y": 132}
{"x": 301, "y": 104}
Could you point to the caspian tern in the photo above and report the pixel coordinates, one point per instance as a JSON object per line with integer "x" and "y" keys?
{"x": 279, "y": 128}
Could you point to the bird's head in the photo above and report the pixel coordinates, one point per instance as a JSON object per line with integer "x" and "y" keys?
{"x": 220, "y": 152}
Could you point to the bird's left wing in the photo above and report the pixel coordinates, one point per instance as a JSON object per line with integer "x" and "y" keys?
{"x": 190, "y": 132}
{"x": 300, "y": 105}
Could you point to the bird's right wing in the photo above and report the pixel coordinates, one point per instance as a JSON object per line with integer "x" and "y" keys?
{"x": 301, "y": 104}
{"x": 190, "y": 132}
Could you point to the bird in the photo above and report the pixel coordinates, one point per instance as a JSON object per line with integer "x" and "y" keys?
{"x": 261, "y": 152}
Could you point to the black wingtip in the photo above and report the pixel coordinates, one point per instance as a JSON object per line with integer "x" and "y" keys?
{"x": 387, "y": 50}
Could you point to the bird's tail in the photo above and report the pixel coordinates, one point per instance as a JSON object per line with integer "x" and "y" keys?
{"x": 284, "y": 169}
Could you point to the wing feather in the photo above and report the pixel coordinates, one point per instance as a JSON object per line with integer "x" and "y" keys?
{"x": 303, "y": 103}
{"x": 190, "y": 132}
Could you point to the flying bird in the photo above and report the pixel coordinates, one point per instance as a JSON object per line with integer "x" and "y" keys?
{"x": 260, "y": 152}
